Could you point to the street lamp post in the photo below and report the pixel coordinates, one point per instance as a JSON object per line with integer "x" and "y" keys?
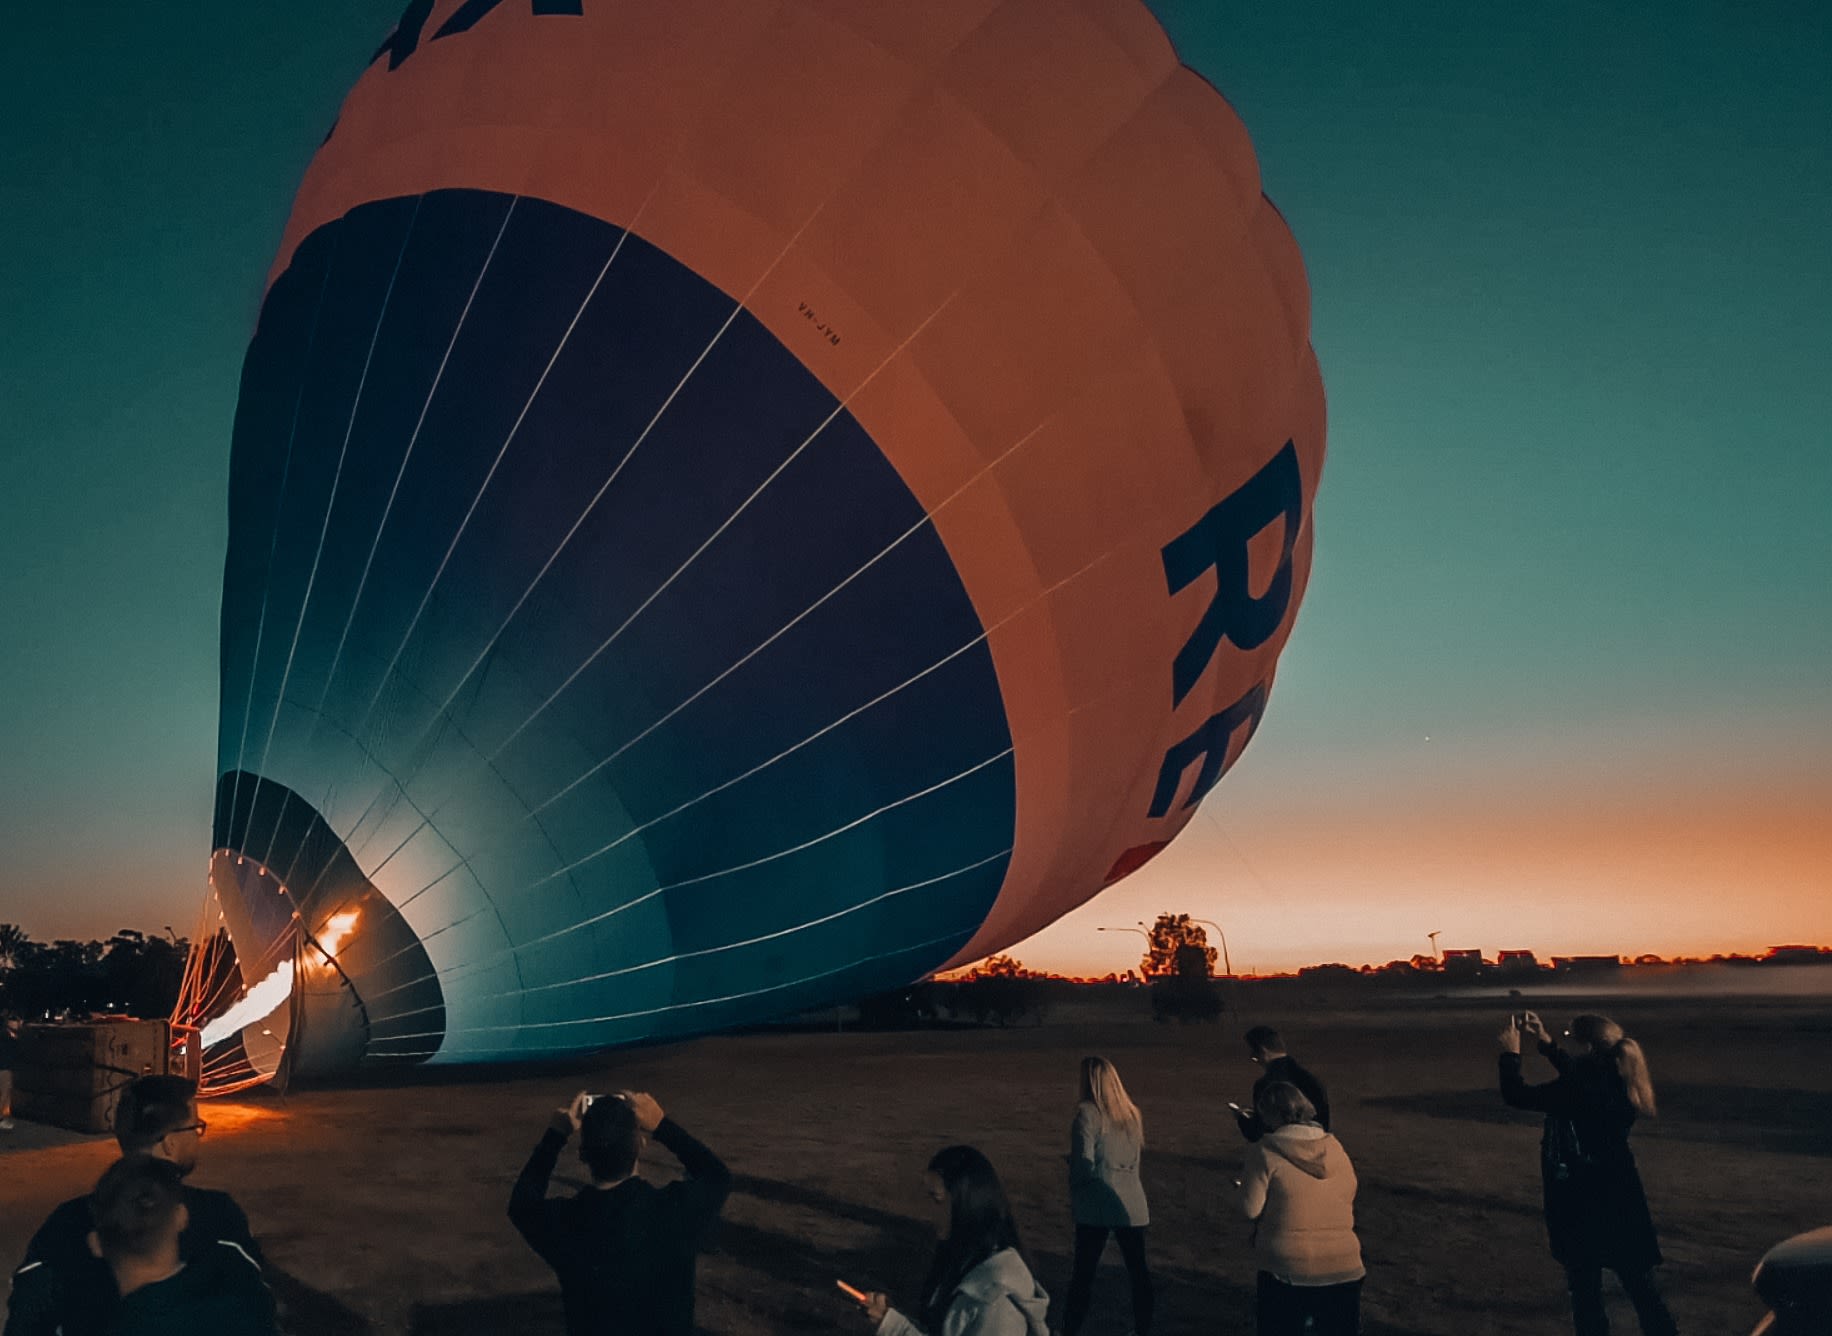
{"x": 1226, "y": 962}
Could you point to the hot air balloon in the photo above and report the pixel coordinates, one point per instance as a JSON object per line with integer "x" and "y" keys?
{"x": 735, "y": 506}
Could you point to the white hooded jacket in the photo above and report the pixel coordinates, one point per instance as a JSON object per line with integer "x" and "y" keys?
{"x": 999, "y": 1297}
{"x": 1298, "y": 1186}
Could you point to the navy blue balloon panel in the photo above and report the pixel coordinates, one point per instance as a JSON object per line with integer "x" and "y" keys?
{"x": 617, "y": 656}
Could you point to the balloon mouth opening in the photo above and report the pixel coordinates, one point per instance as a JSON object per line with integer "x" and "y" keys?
{"x": 301, "y": 967}
{"x": 233, "y": 1022}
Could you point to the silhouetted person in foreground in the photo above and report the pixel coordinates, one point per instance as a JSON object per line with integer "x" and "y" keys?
{"x": 624, "y": 1250}
{"x": 1105, "y": 1195}
{"x": 1794, "y": 1279}
{"x": 157, "y": 1117}
{"x": 1265, "y": 1048}
{"x": 9, "y": 1063}
{"x": 1596, "y": 1212}
{"x": 1298, "y": 1188}
{"x": 139, "y": 1217}
{"x": 979, "y": 1283}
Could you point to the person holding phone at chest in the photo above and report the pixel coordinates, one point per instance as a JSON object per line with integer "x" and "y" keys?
{"x": 979, "y": 1283}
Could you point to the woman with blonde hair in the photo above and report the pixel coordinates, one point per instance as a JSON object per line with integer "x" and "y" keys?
{"x": 1105, "y": 1194}
{"x": 1596, "y": 1211}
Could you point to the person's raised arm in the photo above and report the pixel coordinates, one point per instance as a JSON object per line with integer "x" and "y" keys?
{"x": 1535, "y": 1029}
{"x": 1552, "y": 1097}
{"x": 708, "y": 1182}
{"x": 528, "y": 1209}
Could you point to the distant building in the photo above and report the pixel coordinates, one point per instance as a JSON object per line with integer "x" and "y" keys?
{"x": 1463, "y": 964}
{"x": 1797, "y": 955}
{"x": 1517, "y": 962}
{"x": 1586, "y": 964}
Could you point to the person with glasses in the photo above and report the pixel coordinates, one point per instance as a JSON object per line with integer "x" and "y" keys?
{"x": 157, "y": 1117}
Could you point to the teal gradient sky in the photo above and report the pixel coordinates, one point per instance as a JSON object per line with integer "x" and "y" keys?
{"x": 1572, "y": 294}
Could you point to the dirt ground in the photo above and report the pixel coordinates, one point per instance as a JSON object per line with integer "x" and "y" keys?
{"x": 382, "y": 1207}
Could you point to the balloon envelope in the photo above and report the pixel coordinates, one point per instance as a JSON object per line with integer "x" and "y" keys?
{"x": 737, "y": 506}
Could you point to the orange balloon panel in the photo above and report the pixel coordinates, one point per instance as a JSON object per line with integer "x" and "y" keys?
{"x": 1014, "y": 246}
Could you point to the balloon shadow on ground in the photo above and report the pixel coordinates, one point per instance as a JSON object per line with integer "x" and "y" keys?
{"x": 794, "y": 1290}
{"x": 1787, "y": 1122}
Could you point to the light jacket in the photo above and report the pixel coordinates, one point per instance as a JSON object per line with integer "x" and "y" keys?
{"x": 1104, "y": 1187}
{"x": 999, "y": 1297}
{"x": 1298, "y": 1185}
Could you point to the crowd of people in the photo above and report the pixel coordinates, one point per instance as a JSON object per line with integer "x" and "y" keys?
{"x": 148, "y": 1254}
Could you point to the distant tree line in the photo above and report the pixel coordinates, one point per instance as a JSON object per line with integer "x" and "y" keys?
{"x": 1514, "y": 967}
{"x": 1177, "y": 973}
{"x": 129, "y": 974}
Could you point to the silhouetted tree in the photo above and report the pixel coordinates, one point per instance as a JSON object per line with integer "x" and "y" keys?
{"x": 129, "y": 974}
{"x": 1188, "y": 993}
{"x": 999, "y": 989}
{"x": 1170, "y": 933}
{"x": 12, "y": 941}
{"x": 1002, "y": 967}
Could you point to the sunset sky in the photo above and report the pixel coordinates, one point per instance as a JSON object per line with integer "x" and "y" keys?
{"x": 1561, "y": 677}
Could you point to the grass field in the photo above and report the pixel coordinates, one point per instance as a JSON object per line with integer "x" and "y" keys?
{"x": 382, "y": 1207}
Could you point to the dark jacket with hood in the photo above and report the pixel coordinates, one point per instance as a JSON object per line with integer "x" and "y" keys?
{"x": 625, "y": 1255}
{"x": 1284, "y": 1068}
{"x": 1596, "y": 1211}
{"x": 69, "y": 1287}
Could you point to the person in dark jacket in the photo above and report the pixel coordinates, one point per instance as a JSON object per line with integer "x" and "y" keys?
{"x": 1596, "y": 1211}
{"x": 157, "y": 1117}
{"x": 139, "y": 1218}
{"x": 1266, "y": 1049}
{"x": 624, "y": 1250}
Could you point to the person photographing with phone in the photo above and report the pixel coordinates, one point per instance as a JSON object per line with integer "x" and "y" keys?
{"x": 1596, "y": 1210}
{"x": 624, "y": 1250}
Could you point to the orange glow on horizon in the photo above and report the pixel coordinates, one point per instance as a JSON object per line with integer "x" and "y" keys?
{"x": 1691, "y": 866}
